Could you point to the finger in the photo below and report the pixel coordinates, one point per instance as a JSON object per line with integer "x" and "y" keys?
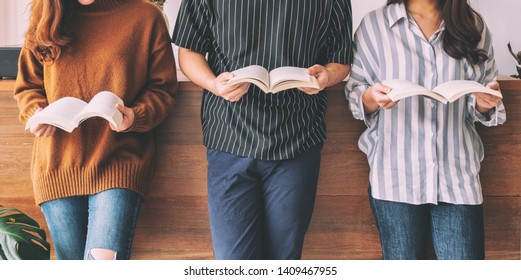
{"x": 235, "y": 95}
{"x": 390, "y": 104}
{"x": 223, "y": 78}
{"x": 41, "y": 131}
{"x": 122, "y": 127}
{"x": 243, "y": 86}
{"x": 37, "y": 133}
{"x": 228, "y": 92}
{"x": 382, "y": 88}
{"x": 36, "y": 129}
{"x": 44, "y": 132}
{"x": 33, "y": 129}
{"x": 381, "y": 98}
{"x": 314, "y": 69}
{"x": 50, "y": 131}
{"x": 487, "y": 98}
{"x": 309, "y": 90}
{"x": 227, "y": 75}
{"x": 493, "y": 85}
{"x": 122, "y": 108}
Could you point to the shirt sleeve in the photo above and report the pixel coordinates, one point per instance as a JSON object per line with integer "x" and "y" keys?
{"x": 488, "y": 72}
{"x": 192, "y": 30}
{"x": 363, "y": 74}
{"x": 339, "y": 42}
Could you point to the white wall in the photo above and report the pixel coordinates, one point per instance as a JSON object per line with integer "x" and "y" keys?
{"x": 14, "y": 15}
{"x": 502, "y": 18}
{"x": 500, "y": 15}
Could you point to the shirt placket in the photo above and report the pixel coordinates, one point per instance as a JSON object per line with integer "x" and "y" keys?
{"x": 431, "y": 79}
{"x": 430, "y": 110}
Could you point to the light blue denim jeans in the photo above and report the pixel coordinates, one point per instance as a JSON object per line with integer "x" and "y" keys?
{"x": 101, "y": 221}
{"x": 457, "y": 231}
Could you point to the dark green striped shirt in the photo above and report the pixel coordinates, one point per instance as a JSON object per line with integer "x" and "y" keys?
{"x": 270, "y": 33}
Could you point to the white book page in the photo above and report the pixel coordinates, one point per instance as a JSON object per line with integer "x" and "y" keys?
{"x": 455, "y": 89}
{"x": 404, "y": 88}
{"x": 60, "y": 113}
{"x": 103, "y": 105}
{"x": 254, "y": 74}
{"x": 283, "y": 78}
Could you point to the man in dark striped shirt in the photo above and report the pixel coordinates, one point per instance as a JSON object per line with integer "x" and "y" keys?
{"x": 263, "y": 149}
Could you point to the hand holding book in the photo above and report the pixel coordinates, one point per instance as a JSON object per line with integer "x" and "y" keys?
{"x": 485, "y": 102}
{"x": 67, "y": 113}
{"x": 226, "y": 91}
{"x": 445, "y": 93}
{"x": 276, "y": 80}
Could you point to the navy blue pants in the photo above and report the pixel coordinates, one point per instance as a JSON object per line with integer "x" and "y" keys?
{"x": 457, "y": 231}
{"x": 261, "y": 209}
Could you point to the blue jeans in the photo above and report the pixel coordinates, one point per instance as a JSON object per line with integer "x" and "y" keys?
{"x": 261, "y": 209}
{"x": 101, "y": 221}
{"x": 457, "y": 231}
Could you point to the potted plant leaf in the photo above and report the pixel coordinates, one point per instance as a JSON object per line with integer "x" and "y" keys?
{"x": 21, "y": 237}
{"x": 160, "y": 3}
{"x": 517, "y": 57}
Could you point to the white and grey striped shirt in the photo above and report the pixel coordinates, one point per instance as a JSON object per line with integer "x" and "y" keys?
{"x": 420, "y": 151}
{"x": 238, "y": 33}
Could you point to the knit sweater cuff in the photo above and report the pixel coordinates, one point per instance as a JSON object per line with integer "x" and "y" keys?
{"x": 31, "y": 111}
{"x": 139, "y": 120}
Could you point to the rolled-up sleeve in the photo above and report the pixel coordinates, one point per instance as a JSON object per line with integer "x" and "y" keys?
{"x": 363, "y": 75}
{"x": 489, "y": 73}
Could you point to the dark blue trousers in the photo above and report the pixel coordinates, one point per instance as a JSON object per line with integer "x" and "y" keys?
{"x": 261, "y": 209}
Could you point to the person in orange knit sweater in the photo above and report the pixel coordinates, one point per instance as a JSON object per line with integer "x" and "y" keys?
{"x": 90, "y": 183}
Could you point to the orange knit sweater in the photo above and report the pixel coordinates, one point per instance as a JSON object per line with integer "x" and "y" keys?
{"x": 118, "y": 45}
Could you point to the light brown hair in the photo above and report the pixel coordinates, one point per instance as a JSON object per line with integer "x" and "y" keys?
{"x": 48, "y": 28}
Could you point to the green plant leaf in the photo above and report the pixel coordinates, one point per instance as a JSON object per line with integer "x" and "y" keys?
{"x": 516, "y": 56}
{"x": 21, "y": 237}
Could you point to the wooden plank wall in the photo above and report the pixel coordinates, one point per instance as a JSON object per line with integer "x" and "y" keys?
{"x": 174, "y": 223}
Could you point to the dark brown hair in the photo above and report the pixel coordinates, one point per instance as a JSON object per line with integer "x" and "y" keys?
{"x": 48, "y": 28}
{"x": 463, "y": 28}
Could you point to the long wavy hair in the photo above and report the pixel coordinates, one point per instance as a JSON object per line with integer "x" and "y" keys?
{"x": 463, "y": 29}
{"x": 49, "y": 28}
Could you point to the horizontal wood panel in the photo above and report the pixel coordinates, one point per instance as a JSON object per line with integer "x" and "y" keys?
{"x": 341, "y": 228}
{"x": 174, "y": 220}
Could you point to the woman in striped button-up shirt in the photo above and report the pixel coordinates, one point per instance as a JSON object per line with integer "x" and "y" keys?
{"x": 424, "y": 156}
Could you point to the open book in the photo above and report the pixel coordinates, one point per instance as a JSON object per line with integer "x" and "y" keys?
{"x": 276, "y": 80}
{"x": 68, "y": 112}
{"x": 446, "y": 92}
